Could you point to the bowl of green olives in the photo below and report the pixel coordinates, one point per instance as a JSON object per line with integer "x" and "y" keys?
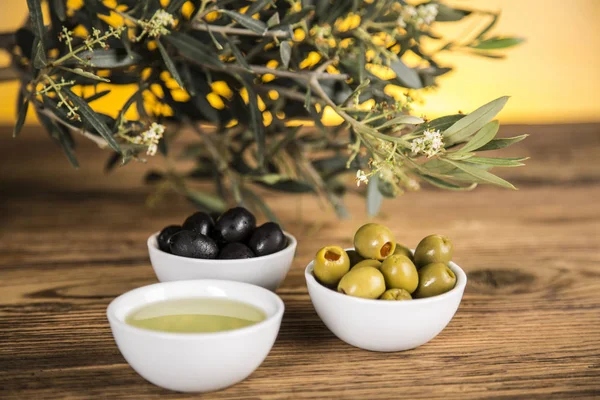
{"x": 382, "y": 296}
{"x": 228, "y": 246}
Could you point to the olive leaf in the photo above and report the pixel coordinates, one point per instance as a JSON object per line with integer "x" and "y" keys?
{"x": 502, "y": 143}
{"x": 481, "y": 138}
{"x": 405, "y": 75}
{"x": 22, "y": 107}
{"x": 480, "y": 174}
{"x": 374, "y": 196}
{"x": 90, "y": 116}
{"x": 246, "y": 21}
{"x": 474, "y": 121}
{"x": 497, "y": 42}
{"x": 169, "y": 64}
{"x": 285, "y": 51}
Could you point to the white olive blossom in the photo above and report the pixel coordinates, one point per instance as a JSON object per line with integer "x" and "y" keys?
{"x": 430, "y": 144}
{"x": 361, "y": 177}
{"x": 150, "y": 138}
{"x": 157, "y": 25}
{"x": 422, "y": 15}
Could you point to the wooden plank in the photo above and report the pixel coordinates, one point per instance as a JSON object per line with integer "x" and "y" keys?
{"x": 528, "y": 326}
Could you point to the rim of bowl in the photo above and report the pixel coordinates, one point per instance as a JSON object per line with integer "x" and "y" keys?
{"x": 292, "y": 242}
{"x": 111, "y": 313}
{"x": 461, "y": 282}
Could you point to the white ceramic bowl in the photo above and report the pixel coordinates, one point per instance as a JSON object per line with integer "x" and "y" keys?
{"x": 380, "y": 325}
{"x": 195, "y": 362}
{"x": 266, "y": 271}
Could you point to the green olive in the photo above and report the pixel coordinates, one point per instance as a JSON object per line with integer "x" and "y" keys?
{"x": 368, "y": 263}
{"x": 400, "y": 273}
{"x": 366, "y": 282}
{"x": 435, "y": 279}
{"x": 396, "y": 294}
{"x": 433, "y": 249}
{"x": 374, "y": 241}
{"x": 355, "y": 258}
{"x": 331, "y": 263}
{"x": 405, "y": 251}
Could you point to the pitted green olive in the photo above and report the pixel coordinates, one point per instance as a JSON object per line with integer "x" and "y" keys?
{"x": 365, "y": 282}
{"x": 331, "y": 263}
{"x": 396, "y": 294}
{"x": 374, "y": 241}
{"x": 433, "y": 249}
{"x": 400, "y": 273}
{"x": 434, "y": 279}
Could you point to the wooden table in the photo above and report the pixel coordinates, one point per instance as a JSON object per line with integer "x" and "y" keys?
{"x": 528, "y": 326}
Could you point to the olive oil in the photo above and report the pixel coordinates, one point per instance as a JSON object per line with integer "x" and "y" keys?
{"x": 195, "y": 315}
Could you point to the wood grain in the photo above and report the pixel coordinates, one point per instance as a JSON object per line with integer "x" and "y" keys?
{"x": 528, "y": 326}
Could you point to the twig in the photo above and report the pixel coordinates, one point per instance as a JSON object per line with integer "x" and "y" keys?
{"x": 289, "y": 93}
{"x": 96, "y": 139}
{"x": 258, "y": 69}
{"x": 202, "y": 26}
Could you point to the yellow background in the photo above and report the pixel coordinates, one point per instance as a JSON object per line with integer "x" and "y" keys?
{"x": 554, "y": 77}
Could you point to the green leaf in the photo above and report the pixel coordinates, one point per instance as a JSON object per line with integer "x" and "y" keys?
{"x": 488, "y": 27}
{"x": 169, "y": 64}
{"x": 273, "y": 21}
{"x": 217, "y": 44}
{"x": 444, "y": 184}
{"x": 374, "y": 196}
{"x": 193, "y": 49}
{"x": 471, "y": 123}
{"x": 440, "y": 124}
{"x": 97, "y": 96}
{"x": 308, "y": 98}
{"x": 256, "y": 120}
{"x": 86, "y": 74}
{"x": 37, "y": 23}
{"x": 480, "y": 174}
{"x": 22, "y": 107}
{"x": 501, "y": 143}
{"x": 488, "y": 55}
{"x": 257, "y": 6}
{"x": 481, "y": 138}
{"x": 59, "y": 8}
{"x": 107, "y": 59}
{"x": 402, "y": 119}
{"x": 285, "y": 51}
{"x": 90, "y": 116}
{"x": 239, "y": 57}
{"x": 406, "y": 76}
{"x": 39, "y": 56}
{"x": 448, "y": 14}
{"x": 363, "y": 84}
{"x": 60, "y": 136}
{"x": 498, "y": 42}
{"x": 206, "y": 201}
{"x": 246, "y": 21}
{"x": 498, "y": 162}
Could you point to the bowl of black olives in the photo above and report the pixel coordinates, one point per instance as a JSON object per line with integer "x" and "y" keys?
{"x": 228, "y": 246}
{"x": 382, "y": 296}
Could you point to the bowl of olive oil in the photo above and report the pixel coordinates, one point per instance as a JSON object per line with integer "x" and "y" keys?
{"x": 197, "y": 335}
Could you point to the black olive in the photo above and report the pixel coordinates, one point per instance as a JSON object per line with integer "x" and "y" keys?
{"x": 200, "y": 223}
{"x": 235, "y": 225}
{"x": 267, "y": 239}
{"x": 194, "y": 245}
{"x": 165, "y": 235}
{"x": 234, "y": 251}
